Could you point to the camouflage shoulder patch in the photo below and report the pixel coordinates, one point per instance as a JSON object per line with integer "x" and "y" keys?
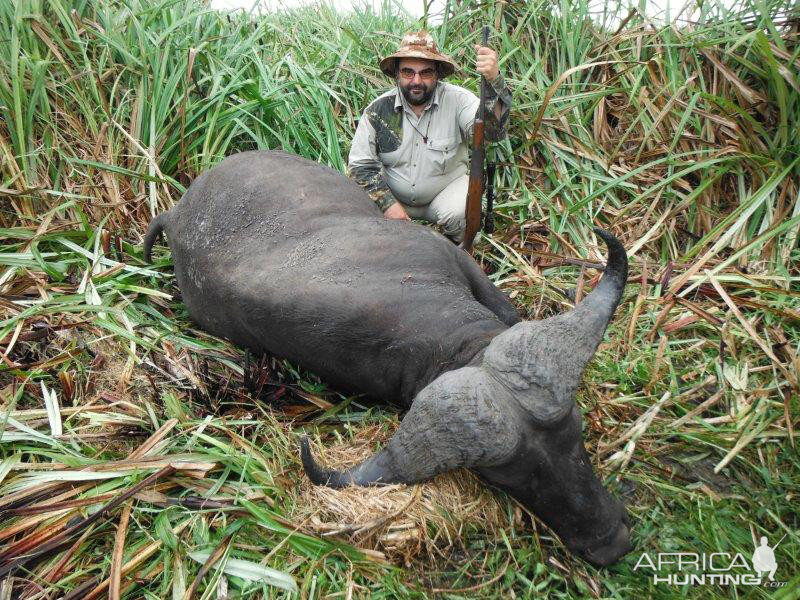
{"x": 387, "y": 123}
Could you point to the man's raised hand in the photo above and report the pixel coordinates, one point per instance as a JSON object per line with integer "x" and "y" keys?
{"x": 486, "y": 62}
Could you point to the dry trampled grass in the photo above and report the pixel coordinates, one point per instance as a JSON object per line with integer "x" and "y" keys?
{"x": 399, "y": 521}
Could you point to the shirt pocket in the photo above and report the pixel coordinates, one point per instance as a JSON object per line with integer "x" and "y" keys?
{"x": 441, "y": 153}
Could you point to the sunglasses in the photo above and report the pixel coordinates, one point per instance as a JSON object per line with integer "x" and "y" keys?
{"x": 425, "y": 74}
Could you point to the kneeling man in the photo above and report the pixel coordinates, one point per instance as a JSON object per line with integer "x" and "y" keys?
{"x": 410, "y": 149}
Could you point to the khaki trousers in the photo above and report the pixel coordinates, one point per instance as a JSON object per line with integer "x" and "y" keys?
{"x": 446, "y": 209}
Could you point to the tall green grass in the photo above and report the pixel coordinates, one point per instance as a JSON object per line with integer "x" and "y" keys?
{"x": 681, "y": 139}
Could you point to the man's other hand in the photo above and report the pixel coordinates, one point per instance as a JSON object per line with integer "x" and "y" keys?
{"x": 486, "y": 62}
{"x": 396, "y": 211}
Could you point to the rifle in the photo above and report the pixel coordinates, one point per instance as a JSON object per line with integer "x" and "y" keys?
{"x": 475, "y": 189}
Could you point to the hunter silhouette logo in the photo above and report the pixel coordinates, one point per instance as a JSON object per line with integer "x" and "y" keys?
{"x": 764, "y": 558}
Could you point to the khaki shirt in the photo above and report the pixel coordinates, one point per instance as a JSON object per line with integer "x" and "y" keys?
{"x": 396, "y": 155}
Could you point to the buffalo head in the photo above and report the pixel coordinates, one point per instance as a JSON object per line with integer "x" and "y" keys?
{"x": 511, "y": 417}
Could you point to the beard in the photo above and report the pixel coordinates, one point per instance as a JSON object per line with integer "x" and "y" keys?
{"x": 417, "y": 94}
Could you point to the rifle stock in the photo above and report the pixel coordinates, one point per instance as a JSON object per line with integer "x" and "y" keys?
{"x": 475, "y": 189}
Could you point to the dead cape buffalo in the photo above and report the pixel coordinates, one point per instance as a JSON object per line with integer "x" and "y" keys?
{"x": 280, "y": 254}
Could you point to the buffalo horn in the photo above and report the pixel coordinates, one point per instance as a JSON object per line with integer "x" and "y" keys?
{"x": 456, "y": 421}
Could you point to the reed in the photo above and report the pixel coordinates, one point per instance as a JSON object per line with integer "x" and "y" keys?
{"x": 142, "y": 456}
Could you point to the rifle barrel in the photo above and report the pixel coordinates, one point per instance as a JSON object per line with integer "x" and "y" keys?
{"x": 779, "y": 541}
{"x": 481, "y": 109}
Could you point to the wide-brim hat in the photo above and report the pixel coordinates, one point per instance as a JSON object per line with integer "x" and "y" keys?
{"x": 418, "y": 44}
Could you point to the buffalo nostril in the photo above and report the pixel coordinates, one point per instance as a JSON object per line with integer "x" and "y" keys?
{"x": 610, "y": 553}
